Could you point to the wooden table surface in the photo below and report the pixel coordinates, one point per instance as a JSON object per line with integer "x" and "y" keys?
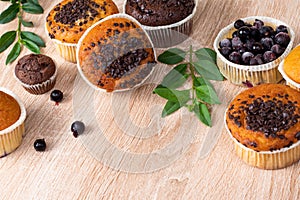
{"x": 71, "y": 169}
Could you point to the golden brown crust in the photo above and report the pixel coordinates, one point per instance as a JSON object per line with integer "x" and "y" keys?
{"x": 292, "y": 65}
{"x": 9, "y": 111}
{"x": 110, "y": 41}
{"x": 259, "y": 140}
{"x": 66, "y": 32}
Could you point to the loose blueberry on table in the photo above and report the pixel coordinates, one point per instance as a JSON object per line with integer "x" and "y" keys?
{"x": 77, "y": 128}
{"x": 40, "y": 145}
{"x": 254, "y": 44}
{"x": 56, "y": 96}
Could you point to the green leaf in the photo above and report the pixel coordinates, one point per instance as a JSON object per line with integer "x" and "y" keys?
{"x": 203, "y": 114}
{"x": 33, "y": 37}
{"x": 14, "y": 53}
{"x": 172, "y": 56}
{"x": 170, "y": 108}
{"x": 198, "y": 81}
{"x": 7, "y": 39}
{"x": 26, "y": 24}
{"x": 208, "y": 70}
{"x": 34, "y": 2}
{"x": 31, "y": 46}
{"x": 206, "y": 54}
{"x": 9, "y": 14}
{"x": 182, "y": 96}
{"x": 32, "y": 8}
{"x": 207, "y": 94}
{"x": 176, "y": 77}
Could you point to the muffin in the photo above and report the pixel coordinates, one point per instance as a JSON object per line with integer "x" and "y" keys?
{"x": 12, "y": 117}
{"x": 290, "y": 68}
{"x": 264, "y": 122}
{"x": 115, "y": 54}
{"x": 68, "y": 20}
{"x": 36, "y": 73}
{"x": 262, "y": 63}
{"x": 167, "y": 22}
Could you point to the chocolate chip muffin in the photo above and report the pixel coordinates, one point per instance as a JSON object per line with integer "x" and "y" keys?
{"x": 68, "y": 20}
{"x": 115, "y": 54}
{"x": 159, "y": 12}
{"x": 36, "y": 72}
{"x": 168, "y": 22}
{"x": 265, "y": 118}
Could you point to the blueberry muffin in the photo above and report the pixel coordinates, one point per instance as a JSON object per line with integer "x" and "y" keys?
{"x": 36, "y": 73}
{"x": 265, "y": 122}
{"x": 115, "y": 54}
{"x": 12, "y": 117}
{"x": 68, "y": 20}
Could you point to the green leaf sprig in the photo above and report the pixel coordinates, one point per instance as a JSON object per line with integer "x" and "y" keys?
{"x": 30, "y": 40}
{"x": 199, "y": 98}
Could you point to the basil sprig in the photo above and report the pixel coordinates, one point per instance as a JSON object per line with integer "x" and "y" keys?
{"x": 199, "y": 98}
{"x": 30, "y": 40}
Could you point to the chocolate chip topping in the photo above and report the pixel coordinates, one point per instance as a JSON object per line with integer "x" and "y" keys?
{"x": 159, "y": 12}
{"x": 269, "y": 116}
{"x": 34, "y": 68}
{"x": 73, "y": 11}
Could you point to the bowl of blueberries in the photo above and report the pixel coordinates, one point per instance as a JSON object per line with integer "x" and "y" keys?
{"x": 250, "y": 50}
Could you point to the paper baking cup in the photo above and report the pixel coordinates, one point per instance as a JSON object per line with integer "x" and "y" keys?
{"x": 266, "y": 159}
{"x": 255, "y": 74}
{"x": 170, "y": 35}
{"x": 89, "y": 29}
{"x": 39, "y": 88}
{"x": 288, "y": 80}
{"x": 65, "y": 50}
{"x": 11, "y": 137}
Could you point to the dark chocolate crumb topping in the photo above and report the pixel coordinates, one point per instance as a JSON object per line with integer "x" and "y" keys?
{"x": 269, "y": 116}
{"x": 73, "y": 11}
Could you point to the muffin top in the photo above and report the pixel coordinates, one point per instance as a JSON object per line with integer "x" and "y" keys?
{"x": 265, "y": 117}
{"x": 291, "y": 65}
{"x": 68, "y": 20}
{"x": 9, "y": 111}
{"x": 116, "y": 54}
{"x": 34, "y": 68}
{"x": 159, "y": 12}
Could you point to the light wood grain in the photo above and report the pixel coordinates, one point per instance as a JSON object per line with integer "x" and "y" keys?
{"x": 68, "y": 171}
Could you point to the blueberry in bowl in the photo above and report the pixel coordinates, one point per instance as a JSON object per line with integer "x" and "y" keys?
{"x": 250, "y": 49}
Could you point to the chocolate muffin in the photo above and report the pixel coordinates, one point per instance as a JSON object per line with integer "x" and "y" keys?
{"x": 266, "y": 118}
{"x": 115, "y": 54}
{"x": 69, "y": 19}
{"x": 159, "y": 12}
{"x": 36, "y": 72}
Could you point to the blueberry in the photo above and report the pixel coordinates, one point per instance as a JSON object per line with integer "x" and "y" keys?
{"x": 266, "y": 31}
{"x": 40, "y": 145}
{"x": 253, "y": 61}
{"x": 277, "y": 49}
{"x": 77, "y": 128}
{"x": 56, "y": 96}
{"x": 257, "y": 48}
{"x": 242, "y": 50}
{"x": 225, "y": 51}
{"x": 244, "y": 33}
{"x": 234, "y": 34}
{"x": 281, "y": 28}
{"x": 259, "y": 59}
{"x": 235, "y": 57}
{"x": 246, "y": 57}
{"x": 269, "y": 56}
{"x": 282, "y": 39}
{"x": 258, "y": 23}
{"x": 225, "y": 43}
{"x": 239, "y": 23}
{"x": 255, "y": 34}
{"x": 267, "y": 43}
{"x": 236, "y": 43}
{"x": 249, "y": 44}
